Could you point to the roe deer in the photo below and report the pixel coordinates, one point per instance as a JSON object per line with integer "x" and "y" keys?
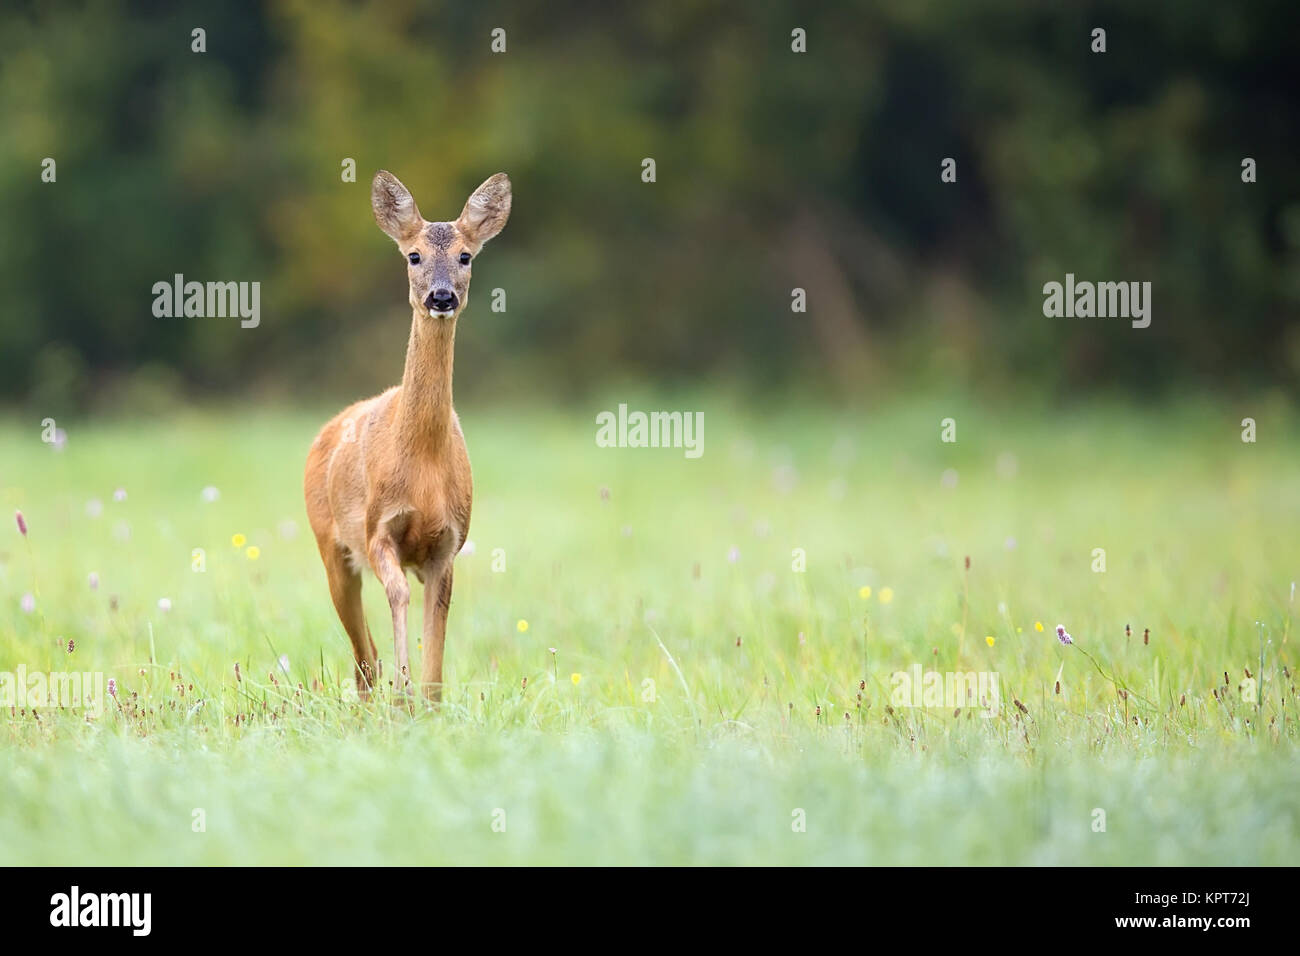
{"x": 388, "y": 480}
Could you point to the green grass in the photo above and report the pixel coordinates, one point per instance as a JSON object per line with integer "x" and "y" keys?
{"x": 707, "y": 761}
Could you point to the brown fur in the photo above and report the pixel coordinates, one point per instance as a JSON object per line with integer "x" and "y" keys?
{"x": 388, "y": 480}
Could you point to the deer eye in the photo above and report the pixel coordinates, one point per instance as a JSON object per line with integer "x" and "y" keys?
{"x": 464, "y": 258}
{"x": 415, "y": 258}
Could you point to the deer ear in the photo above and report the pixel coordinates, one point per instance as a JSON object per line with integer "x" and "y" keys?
{"x": 487, "y": 210}
{"x": 395, "y": 209}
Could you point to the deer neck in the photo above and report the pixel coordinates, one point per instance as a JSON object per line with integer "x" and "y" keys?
{"x": 424, "y": 414}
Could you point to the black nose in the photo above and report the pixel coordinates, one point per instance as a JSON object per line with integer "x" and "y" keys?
{"x": 441, "y": 300}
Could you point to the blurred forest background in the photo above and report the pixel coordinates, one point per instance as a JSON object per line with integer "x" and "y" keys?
{"x": 775, "y": 170}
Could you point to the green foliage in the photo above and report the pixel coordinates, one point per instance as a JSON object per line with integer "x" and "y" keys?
{"x": 775, "y": 170}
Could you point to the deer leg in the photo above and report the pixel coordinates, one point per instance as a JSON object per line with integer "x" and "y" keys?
{"x": 383, "y": 559}
{"x": 437, "y": 601}
{"x": 345, "y": 589}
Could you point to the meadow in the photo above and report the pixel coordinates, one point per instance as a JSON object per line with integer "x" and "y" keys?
{"x": 659, "y": 659}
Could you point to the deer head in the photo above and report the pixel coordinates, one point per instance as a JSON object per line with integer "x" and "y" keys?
{"x": 439, "y": 255}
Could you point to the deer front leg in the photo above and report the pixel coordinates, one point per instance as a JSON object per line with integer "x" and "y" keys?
{"x": 387, "y": 567}
{"x": 437, "y": 601}
{"x": 345, "y": 588}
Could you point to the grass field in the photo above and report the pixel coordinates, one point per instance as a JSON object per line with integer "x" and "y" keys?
{"x": 705, "y": 701}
